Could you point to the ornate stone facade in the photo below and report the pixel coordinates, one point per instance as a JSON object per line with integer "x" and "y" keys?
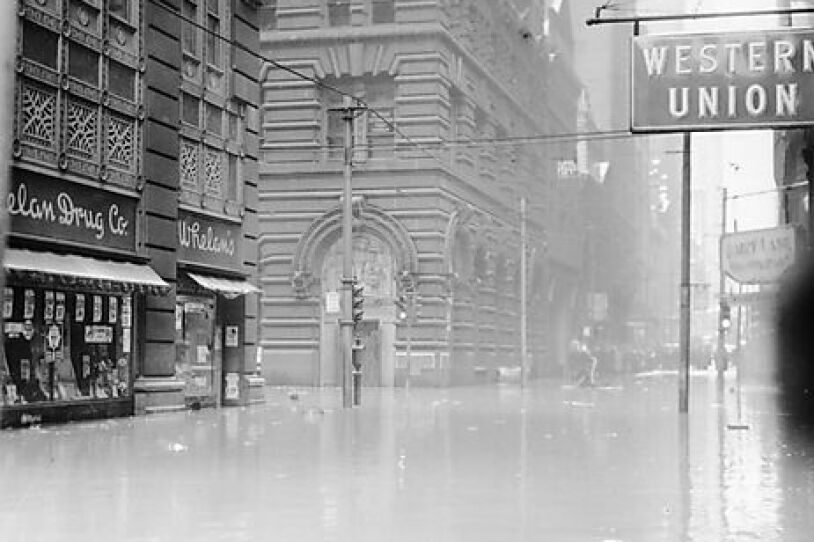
{"x": 464, "y": 78}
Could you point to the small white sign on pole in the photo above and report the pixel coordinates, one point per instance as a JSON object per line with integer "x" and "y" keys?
{"x": 332, "y": 302}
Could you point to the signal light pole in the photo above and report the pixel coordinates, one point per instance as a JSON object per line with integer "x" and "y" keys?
{"x": 349, "y": 112}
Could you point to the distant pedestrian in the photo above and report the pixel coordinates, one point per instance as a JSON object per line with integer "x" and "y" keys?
{"x": 583, "y": 364}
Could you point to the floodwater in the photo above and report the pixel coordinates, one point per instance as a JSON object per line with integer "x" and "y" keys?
{"x": 490, "y": 463}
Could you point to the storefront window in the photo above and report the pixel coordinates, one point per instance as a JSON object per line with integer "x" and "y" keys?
{"x": 65, "y": 345}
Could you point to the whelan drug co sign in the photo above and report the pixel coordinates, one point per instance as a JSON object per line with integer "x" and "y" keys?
{"x": 698, "y": 82}
{"x": 758, "y": 256}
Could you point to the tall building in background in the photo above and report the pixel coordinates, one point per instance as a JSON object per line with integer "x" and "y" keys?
{"x": 438, "y": 179}
{"x": 619, "y": 198}
{"x": 132, "y": 205}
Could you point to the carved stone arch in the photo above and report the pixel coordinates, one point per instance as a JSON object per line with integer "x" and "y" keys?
{"x": 327, "y": 230}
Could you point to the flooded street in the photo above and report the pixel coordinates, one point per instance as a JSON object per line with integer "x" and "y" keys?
{"x": 480, "y": 463}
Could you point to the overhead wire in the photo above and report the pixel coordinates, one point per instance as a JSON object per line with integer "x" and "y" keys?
{"x": 406, "y": 139}
{"x": 279, "y": 65}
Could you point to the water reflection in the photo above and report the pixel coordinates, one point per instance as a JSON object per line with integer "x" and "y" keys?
{"x": 460, "y": 464}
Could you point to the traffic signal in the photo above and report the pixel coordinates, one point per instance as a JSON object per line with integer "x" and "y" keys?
{"x": 357, "y": 302}
{"x": 401, "y": 308}
{"x": 725, "y": 315}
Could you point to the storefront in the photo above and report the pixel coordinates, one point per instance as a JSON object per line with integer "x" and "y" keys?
{"x": 70, "y": 302}
{"x": 210, "y": 311}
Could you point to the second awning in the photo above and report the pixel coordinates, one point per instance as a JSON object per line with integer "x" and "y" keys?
{"x": 228, "y": 287}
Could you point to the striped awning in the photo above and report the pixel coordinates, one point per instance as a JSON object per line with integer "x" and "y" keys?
{"x": 227, "y": 287}
{"x": 82, "y": 271}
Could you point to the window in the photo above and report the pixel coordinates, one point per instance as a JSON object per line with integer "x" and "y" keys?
{"x": 119, "y": 8}
{"x": 214, "y": 119}
{"x": 73, "y": 96}
{"x": 40, "y": 45}
{"x": 232, "y": 190}
{"x": 383, "y": 11}
{"x": 65, "y": 345}
{"x": 189, "y": 110}
{"x": 83, "y": 64}
{"x": 268, "y": 15}
{"x": 121, "y": 80}
{"x": 190, "y": 32}
{"x": 213, "y": 33}
{"x": 374, "y": 136}
{"x": 338, "y": 12}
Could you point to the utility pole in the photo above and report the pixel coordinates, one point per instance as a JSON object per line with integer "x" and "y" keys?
{"x": 524, "y": 366}
{"x": 684, "y": 320}
{"x": 720, "y": 361}
{"x": 348, "y": 112}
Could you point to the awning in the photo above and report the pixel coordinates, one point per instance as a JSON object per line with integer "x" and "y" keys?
{"x": 228, "y": 287}
{"x": 71, "y": 270}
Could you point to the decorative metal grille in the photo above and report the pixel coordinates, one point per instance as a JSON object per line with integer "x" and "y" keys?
{"x": 38, "y": 113}
{"x": 120, "y": 141}
{"x": 213, "y": 170}
{"x": 189, "y": 165}
{"x": 82, "y": 129}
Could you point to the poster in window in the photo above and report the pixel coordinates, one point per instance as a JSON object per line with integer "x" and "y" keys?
{"x": 28, "y": 304}
{"x": 231, "y": 336}
{"x": 54, "y": 337}
{"x": 85, "y": 365}
{"x": 8, "y": 303}
{"x": 126, "y": 312}
{"x": 112, "y": 309}
{"x": 79, "y": 315}
{"x": 98, "y": 334}
{"x": 48, "y": 315}
{"x": 126, "y": 341}
{"x": 59, "y": 313}
{"x": 97, "y": 308}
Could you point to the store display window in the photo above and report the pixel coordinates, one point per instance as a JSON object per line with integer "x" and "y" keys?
{"x": 65, "y": 345}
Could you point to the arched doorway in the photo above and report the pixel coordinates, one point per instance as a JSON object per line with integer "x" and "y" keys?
{"x": 375, "y": 266}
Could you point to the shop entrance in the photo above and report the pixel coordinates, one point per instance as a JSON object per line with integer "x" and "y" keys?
{"x": 198, "y": 349}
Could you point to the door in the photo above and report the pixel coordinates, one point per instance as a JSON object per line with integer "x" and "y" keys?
{"x": 197, "y": 351}
{"x": 370, "y": 333}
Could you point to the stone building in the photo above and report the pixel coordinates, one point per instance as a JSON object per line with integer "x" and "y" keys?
{"x": 439, "y": 172}
{"x": 132, "y": 202}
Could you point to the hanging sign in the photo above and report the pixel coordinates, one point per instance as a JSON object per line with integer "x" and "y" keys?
{"x": 759, "y": 256}
{"x": 696, "y": 82}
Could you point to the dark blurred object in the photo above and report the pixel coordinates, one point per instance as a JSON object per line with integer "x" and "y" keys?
{"x": 795, "y": 343}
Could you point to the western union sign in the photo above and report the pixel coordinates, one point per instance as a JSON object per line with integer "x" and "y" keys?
{"x": 697, "y": 82}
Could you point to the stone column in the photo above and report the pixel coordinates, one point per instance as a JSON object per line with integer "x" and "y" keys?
{"x": 156, "y": 388}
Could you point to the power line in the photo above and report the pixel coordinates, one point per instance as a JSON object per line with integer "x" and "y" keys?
{"x": 421, "y": 146}
{"x": 294, "y": 72}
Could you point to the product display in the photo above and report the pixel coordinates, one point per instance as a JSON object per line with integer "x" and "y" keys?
{"x": 50, "y": 356}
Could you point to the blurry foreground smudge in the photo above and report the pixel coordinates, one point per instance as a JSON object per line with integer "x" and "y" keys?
{"x": 795, "y": 345}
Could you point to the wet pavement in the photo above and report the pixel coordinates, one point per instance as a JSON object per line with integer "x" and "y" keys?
{"x": 468, "y": 464}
